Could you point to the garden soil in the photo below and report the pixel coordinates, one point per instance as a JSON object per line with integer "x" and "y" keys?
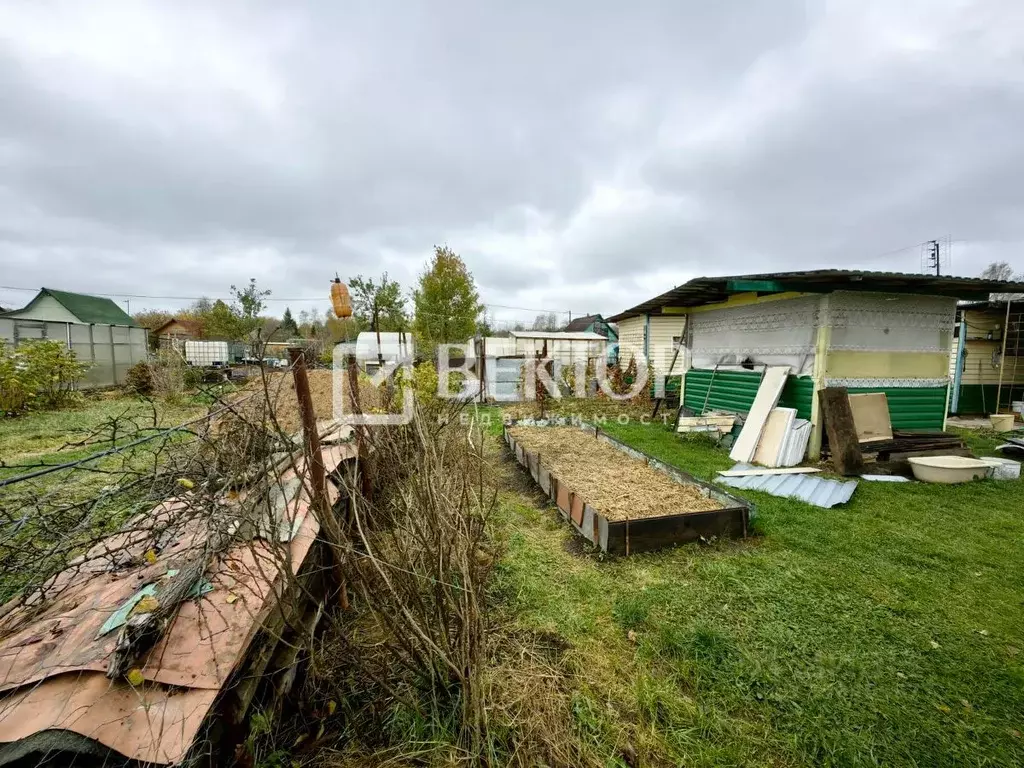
{"x": 612, "y": 482}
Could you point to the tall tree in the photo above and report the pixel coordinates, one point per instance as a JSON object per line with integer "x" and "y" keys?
{"x": 447, "y": 301}
{"x": 249, "y": 302}
{"x": 1001, "y": 270}
{"x": 151, "y": 318}
{"x": 222, "y": 322}
{"x": 288, "y": 325}
{"x": 378, "y": 305}
{"x": 997, "y": 270}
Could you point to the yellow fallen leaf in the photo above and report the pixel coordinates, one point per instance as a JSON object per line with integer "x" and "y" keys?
{"x": 185, "y": 483}
{"x": 147, "y": 604}
{"x": 230, "y": 599}
{"x": 150, "y": 556}
{"x": 134, "y": 677}
{"x": 1015, "y": 733}
{"x": 935, "y": 645}
{"x": 942, "y": 708}
{"x": 331, "y": 706}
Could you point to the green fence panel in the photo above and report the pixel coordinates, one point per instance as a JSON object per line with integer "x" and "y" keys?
{"x": 735, "y": 391}
{"x": 977, "y": 399}
{"x": 912, "y": 407}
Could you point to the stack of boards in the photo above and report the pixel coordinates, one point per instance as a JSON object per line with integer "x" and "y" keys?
{"x": 772, "y": 436}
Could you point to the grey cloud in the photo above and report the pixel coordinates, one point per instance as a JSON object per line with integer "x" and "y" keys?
{"x": 576, "y": 155}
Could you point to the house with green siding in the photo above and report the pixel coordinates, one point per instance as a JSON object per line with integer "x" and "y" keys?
{"x": 867, "y": 331}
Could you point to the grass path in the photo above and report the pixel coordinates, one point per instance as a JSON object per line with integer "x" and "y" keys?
{"x": 888, "y": 631}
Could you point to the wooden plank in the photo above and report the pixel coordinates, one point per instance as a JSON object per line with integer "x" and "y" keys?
{"x": 765, "y": 471}
{"x": 654, "y": 533}
{"x": 774, "y": 436}
{"x": 842, "y": 433}
{"x": 766, "y": 399}
{"x": 871, "y": 416}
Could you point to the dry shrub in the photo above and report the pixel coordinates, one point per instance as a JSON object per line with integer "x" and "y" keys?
{"x": 419, "y": 670}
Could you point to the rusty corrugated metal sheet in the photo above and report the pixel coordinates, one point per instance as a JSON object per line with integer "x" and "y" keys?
{"x": 52, "y": 671}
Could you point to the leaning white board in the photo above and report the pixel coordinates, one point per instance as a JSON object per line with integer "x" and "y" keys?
{"x": 765, "y": 400}
{"x": 768, "y": 471}
{"x": 774, "y": 437}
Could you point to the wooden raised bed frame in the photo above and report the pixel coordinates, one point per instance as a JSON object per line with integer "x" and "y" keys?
{"x": 625, "y": 537}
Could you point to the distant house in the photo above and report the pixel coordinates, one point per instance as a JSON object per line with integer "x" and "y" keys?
{"x": 594, "y": 324}
{"x": 176, "y": 329}
{"x": 96, "y": 329}
{"x": 55, "y": 306}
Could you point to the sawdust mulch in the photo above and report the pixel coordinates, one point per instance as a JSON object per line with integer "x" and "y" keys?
{"x": 612, "y": 482}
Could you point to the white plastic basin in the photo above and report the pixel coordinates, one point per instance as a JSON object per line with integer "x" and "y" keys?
{"x": 948, "y": 469}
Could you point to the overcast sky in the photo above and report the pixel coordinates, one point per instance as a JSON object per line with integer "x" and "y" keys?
{"x": 579, "y": 155}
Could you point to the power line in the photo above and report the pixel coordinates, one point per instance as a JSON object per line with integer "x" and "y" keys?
{"x": 323, "y": 299}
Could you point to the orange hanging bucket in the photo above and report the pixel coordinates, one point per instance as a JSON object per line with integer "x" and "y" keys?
{"x": 340, "y": 299}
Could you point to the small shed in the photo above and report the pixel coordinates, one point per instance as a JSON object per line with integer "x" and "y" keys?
{"x": 985, "y": 364}
{"x": 394, "y": 346}
{"x": 176, "y": 329}
{"x": 96, "y": 329}
{"x": 505, "y": 356}
{"x": 867, "y": 331}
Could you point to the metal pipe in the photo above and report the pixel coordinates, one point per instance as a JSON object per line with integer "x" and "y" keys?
{"x": 958, "y": 371}
{"x": 1002, "y": 357}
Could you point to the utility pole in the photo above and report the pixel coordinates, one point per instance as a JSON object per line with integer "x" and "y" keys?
{"x": 935, "y": 257}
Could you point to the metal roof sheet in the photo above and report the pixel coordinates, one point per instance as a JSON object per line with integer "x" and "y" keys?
{"x": 818, "y": 491}
{"x": 709, "y": 290}
{"x": 558, "y": 335}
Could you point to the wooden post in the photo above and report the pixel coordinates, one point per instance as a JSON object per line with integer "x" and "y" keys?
{"x": 842, "y": 433}
{"x": 317, "y": 472}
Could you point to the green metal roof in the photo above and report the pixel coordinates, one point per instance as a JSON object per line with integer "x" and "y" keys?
{"x": 90, "y": 309}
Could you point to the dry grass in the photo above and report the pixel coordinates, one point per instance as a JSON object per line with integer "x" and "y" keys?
{"x": 617, "y": 485}
{"x": 281, "y": 389}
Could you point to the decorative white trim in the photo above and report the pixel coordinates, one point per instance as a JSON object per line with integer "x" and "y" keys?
{"x": 887, "y": 383}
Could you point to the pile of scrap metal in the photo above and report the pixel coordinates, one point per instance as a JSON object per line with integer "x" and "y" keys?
{"x": 134, "y": 654}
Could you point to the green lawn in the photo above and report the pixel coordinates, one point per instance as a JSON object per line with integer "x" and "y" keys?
{"x": 885, "y": 632}
{"x": 46, "y": 435}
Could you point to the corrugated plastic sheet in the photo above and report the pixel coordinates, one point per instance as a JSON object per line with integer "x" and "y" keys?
{"x": 811, "y": 489}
